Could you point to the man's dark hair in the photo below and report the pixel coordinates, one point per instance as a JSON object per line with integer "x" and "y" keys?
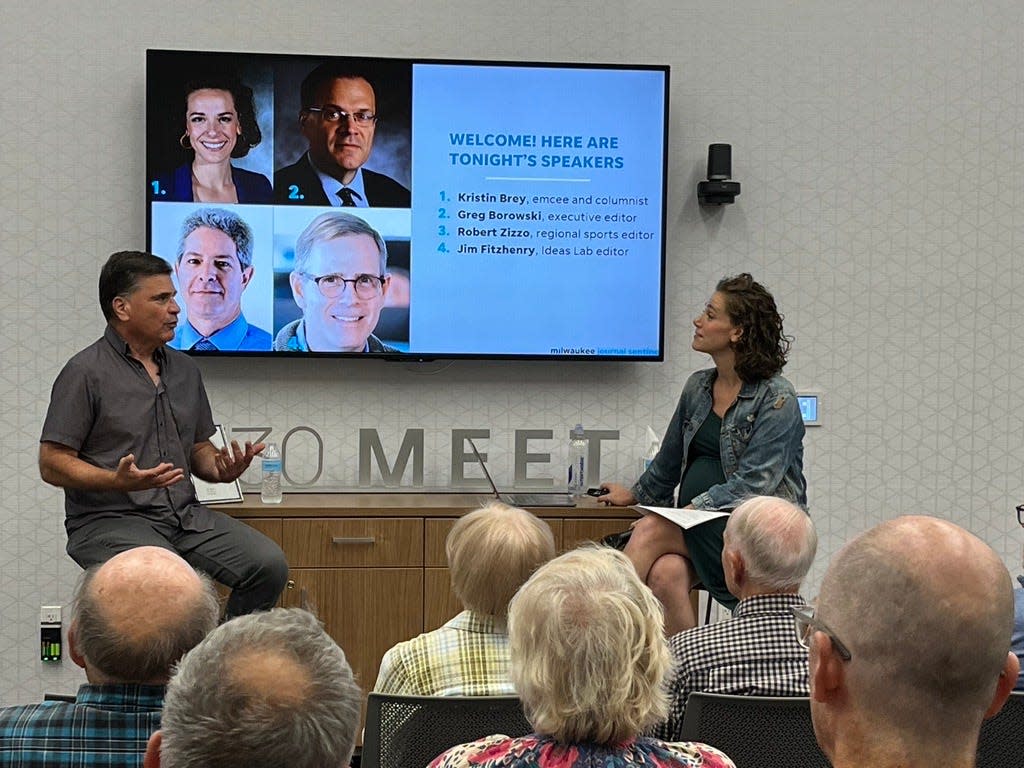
{"x": 245, "y": 106}
{"x": 334, "y": 69}
{"x": 122, "y": 273}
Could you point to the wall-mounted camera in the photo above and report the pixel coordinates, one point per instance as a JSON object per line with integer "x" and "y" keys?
{"x": 718, "y": 189}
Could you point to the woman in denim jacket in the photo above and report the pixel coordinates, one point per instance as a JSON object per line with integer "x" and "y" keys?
{"x": 737, "y": 432}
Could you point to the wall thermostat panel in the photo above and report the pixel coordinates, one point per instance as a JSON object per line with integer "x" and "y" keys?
{"x": 810, "y": 408}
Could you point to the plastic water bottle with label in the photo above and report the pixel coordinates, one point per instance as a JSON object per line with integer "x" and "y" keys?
{"x": 270, "y": 489}
{"x": 577, "y": 486}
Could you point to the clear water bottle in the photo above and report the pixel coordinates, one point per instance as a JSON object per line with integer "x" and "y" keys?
{"x": 577, "y": 463}
{"x": 270, "y": 490}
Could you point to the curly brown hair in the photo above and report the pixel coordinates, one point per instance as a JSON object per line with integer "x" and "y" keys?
{"x": 762, "y": 348}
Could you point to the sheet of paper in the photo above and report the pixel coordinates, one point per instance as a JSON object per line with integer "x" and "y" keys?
{"x": 684, "y": 518}
{"x": 217, "y": 493}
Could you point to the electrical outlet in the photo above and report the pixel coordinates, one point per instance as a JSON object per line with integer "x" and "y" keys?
{"x": 49, "y": 614}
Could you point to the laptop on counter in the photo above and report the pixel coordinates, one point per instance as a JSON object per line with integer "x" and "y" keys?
{"x": 522, "y": 499}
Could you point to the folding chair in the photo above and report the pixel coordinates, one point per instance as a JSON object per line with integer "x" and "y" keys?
{"x": 410, "y": 731}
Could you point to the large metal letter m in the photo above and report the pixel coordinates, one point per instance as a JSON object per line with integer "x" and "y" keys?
{"x": 412, "y": 444}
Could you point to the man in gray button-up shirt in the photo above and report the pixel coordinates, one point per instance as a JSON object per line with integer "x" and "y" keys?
{"x": 128, "y": 424}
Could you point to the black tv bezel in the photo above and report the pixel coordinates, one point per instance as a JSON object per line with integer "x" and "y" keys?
{"x": 425, "y": 357}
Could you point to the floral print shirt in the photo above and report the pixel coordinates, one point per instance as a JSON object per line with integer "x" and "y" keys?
{"x": 536, "y": 751}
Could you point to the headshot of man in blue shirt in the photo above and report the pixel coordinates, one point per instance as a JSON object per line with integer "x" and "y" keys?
{"x": 213, "y": 268}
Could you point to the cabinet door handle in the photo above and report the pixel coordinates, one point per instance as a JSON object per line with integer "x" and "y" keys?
{"x": 353, "y": 540}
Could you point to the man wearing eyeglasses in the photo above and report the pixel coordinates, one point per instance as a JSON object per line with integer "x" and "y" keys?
{"x": 338, "y": 117}
{"x": 339, "y": 280}
{"x": 909, "y": 646}
{"x": 769, "y": 545}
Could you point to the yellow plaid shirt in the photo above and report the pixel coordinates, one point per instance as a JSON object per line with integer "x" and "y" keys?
{"x": 468, "y": 656}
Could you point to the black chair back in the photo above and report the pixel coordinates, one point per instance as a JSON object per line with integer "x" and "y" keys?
{"x": 755, "y": 731}
{"x": 410, "y": 731}
{"x": 764, "y": 731}
{"x": 1001, "y": 744}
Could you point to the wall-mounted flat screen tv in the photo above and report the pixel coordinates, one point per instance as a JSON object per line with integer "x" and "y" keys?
{"x": 409, "y": 209}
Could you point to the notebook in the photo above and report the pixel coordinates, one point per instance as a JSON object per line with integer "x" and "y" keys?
{"x": 522, "y": 499}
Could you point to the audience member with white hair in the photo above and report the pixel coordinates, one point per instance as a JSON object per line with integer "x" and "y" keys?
{"x": 590, "y": 661}
{"x": 769, "y": 545}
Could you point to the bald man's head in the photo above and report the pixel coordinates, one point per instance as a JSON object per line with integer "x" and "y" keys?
{"x": 926, "y": 610}
{"x": 138, "y": 613}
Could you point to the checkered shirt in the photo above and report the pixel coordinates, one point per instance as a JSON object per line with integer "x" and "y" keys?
{"x": 468, "y": 656}
{"x": 107, "y": 726}
{"x": 754, "y": 653}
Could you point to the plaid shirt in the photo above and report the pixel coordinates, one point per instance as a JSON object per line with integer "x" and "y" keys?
{"x": 468, "y": 656}
{"x": 106, "y": 726}
{"x": 754, "y": 653}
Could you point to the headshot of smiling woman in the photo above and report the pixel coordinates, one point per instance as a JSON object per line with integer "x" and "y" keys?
{"x": 218, "y": 116}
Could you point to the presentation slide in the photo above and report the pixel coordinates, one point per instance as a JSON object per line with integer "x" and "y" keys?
{"x": 543, "y": 239}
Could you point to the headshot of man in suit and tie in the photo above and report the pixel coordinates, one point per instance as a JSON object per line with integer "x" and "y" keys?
{"x": 338, "y": 118}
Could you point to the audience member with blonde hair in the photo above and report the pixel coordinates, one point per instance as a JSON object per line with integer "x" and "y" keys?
{"x": 491, "y": 552}
{"x": 909, "y": 646}
{"x": 590, "y": 661}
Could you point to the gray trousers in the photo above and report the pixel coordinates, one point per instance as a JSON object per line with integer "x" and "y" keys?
{"x": 236, "y": 555}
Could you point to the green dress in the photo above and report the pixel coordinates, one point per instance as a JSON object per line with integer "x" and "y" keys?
{"x": 704, "y": 542}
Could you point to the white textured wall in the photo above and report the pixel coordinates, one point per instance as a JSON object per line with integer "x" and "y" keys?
{"x": 881, "y": 151}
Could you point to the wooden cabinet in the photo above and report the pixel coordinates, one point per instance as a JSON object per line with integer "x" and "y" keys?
{"x": 373, "y": 566}
{"x": 363, "y": 577}
{"x": 366, "y": 610}
{"x": 377, "y": 542}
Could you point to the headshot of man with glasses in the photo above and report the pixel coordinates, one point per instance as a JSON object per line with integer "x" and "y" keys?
{"x": 338, "y": 118}
{"x": 340, "y": 282}
{"x": 909, "y": 646}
